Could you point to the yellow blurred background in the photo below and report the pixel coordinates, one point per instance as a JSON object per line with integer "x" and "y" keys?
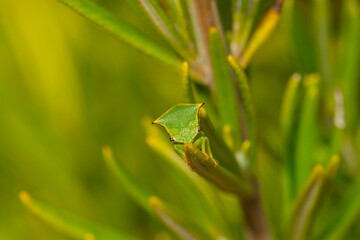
{"x": 67, "y": 89}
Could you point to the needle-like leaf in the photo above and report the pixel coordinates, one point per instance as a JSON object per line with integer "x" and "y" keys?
{"x": 67, "y": 223}
{"x": 288, "y": 107}
{"x": 187, "y": 83}
{"x": 321, "y": 23}
{"x": 305, "y": 204}
{"x": 301, "y": 35}
{"x": 225, "y": 86}
{"x": 166, "y": 27}
{"x": 247, "y": 102}
{"x": 287, "y": 123}
{"x": 307, "y": 132}
{"x": 177, "y": 223}
{"x": 176, "y": 8}
{"x": 123, "y": 31}
{"x": 238, "y": 13}
{"x": 139, "y": 194}
{"x": 348, "y": 210}
{"x": 268, "y": 175}
{"x": 329, "y": 176}
{"x": 349, "y": 64}
{"x": 252, "y": 8}
{"x": 261, "y": 34}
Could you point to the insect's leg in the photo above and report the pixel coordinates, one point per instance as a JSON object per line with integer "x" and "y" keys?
{"x": 200, "y": 143}
{"x": 205, "y": 148}
{"x": 179, "y": 149}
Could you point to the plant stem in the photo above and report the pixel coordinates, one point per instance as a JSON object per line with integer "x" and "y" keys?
{"x": 205, "y": 14}
{"x": 254, "y": 216}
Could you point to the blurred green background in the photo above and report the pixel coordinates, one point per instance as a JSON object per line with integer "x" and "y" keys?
{"x": 67, "y": 88}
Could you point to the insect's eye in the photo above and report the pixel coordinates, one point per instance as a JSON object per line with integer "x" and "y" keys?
{"x": 199, "y": 129}
{"x": 172, "y": 139}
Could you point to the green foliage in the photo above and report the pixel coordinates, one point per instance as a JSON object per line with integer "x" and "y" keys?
{"x": 247, "y": 168}
{"x": 67, "y": 223}
{"x": 224, "y": 85}
{"x": 122, "y": 30}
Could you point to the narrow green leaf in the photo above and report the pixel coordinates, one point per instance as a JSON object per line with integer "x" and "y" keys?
{"x": 288, "y": 107}
{"x": 349, "y": 63}
{"x": 326, "y": 187}
{"x": 187, "y": 83}
{"x": 215, "y": 174}
{"x": 152, "y": 8}
{"x": 135, "y": 6}
{"x": 252, "y": 8}
{"x": 247, "y": 102}
{"x": 300, "y": 35}
{"x": 305, "y": 205}
{"x": 329, "y": 176}
{"x": 166, "y": 27}
{"x": 123, "y": 31}
{"x": 224, "y": 83}
{"x": 307, "y": 132}
{"x": 347, "y": 213}
{"x": 287, "y": 123}
{"x": 67, "y": 223}
{"x": 139, "y": 194}
{"x": 238, "y": 13}
{"x": 321, "y": 23}
{"x": 261, "y": 34}
{"x": 268, "y": 172}
{"x": 178, "y": 12}
{"x": 177, "y": 223}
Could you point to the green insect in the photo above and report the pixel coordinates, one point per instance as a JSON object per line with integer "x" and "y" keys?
{"x": 183, "y": 125}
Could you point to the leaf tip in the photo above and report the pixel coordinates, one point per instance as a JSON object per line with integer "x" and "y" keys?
{"x": 311, "y": 80}
{"x": 296, "y": 77}
{"x": 155, "y": 202}
{"x": 107, "y": 152}
{"x": 24, "y": 197}
{"x": 185, "y": 66}
{"x": 108, "y": 155}
{"x": 89, "y": 236}
{"x": 318, "y": 170}
{"x": 333, "y": 165}
{"x": 213, "y": 31}
{"x": 314, "y": 91}
{"x": 230, "y": 58}
{"x": 245, "y": 146}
